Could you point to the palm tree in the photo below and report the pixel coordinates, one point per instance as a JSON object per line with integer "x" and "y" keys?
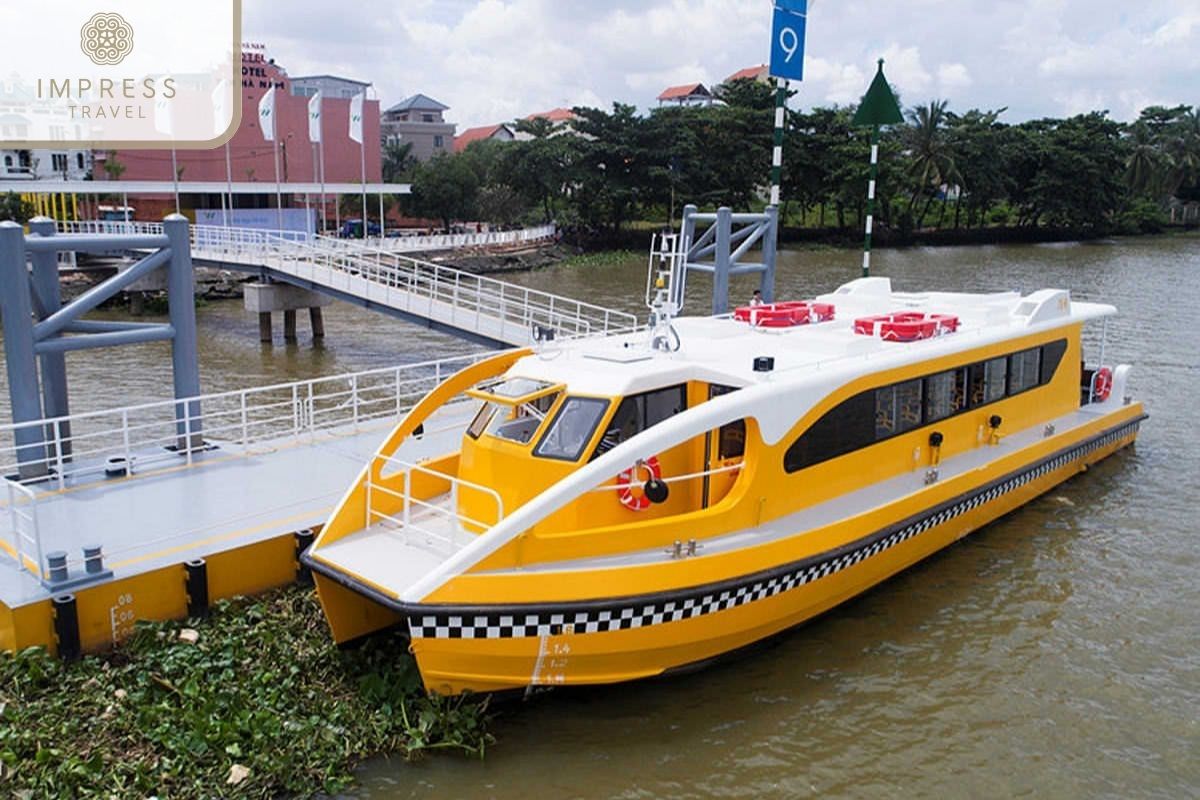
{"x": 932, "y": 161}
{"x": 1143, "y": 168}
{"x": 1183, "y": 151}
{"x": 398, "y": 160}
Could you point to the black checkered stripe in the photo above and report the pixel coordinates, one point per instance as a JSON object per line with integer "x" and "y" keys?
{"x": 631, "y": 613}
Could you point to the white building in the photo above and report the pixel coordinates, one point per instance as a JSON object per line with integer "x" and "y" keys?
{"x": 45, "y": 163}
{"x": 17, "y": 123}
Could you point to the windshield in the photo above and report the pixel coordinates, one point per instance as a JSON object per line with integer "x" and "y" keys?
{"x": 572, "y": 428}
{"x": 516, "y": 423}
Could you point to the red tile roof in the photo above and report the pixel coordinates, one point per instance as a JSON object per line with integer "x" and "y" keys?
{"x": 554, "y": 115}
{"x": 475, "y": 135}
{"x": 678, "y": 92}
{"x": 749, "y": 73}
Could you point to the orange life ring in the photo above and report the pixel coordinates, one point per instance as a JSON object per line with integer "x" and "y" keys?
{"x": 1102, "y": 384}
{"x": 628, "y": 479}
{"x": 784, "y": 315}
{"x": 906, "y": 326}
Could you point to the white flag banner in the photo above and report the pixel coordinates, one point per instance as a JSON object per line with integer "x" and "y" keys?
{"x": 221, "y": 109}
{"x": 314, "y": 118}
{"x": 356, "y": 117}
{"x": 266, "y": 115}
{"x": 164, "y": 116}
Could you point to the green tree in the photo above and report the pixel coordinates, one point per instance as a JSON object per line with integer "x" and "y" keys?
{"x": 748, "y": 93}
{"x": 1146, "y": 163}
{"x": 500, "y": 204}
{"x": 932, "y": 164}
{"x": 14, "y": 208}
{"x": 610, "y": 165}
{"x": 112, "y": 167}
{"x": 446, "y": 188}
{"x": 538, "y": 168}
{"x": 976, "y": 138}
{"x": 398, "y": 161}
{"x": 1078, "y": 181}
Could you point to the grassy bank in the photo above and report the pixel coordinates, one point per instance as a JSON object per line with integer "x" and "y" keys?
{"x": 603, "y": 258}
{"x": 261, "y": 705}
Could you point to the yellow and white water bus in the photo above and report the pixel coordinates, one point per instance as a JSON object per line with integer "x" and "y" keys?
{"x": 623, "y": 507}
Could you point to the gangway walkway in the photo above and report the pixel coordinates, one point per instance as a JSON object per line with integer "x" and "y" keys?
{"x": 476, "y": 307}
{"x": 275, "y": 460}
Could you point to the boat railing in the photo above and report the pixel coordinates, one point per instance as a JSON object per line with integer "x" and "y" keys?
{"x": 25, "y": 537}
{"x": 415, "y": 513}
{"x": 638, "y": 483}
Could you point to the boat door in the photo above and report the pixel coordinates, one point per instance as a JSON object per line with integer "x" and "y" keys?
{"x": 724, "y": 450}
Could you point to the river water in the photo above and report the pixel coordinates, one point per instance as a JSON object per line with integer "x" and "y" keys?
{"x": 1055, "y": 653}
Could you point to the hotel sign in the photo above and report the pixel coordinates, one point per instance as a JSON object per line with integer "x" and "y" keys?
{"x": 121, "y": 73}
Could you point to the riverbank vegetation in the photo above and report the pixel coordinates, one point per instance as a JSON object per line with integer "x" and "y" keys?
{"x": 255, "y": 702}
{"x": 941, "y": 171}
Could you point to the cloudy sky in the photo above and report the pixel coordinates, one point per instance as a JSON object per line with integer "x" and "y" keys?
{"x": 494, "y": 60}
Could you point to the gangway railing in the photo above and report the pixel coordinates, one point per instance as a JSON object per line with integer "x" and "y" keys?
{"x": 482, "y": 305}
{"x": 484, "y": 295}
{"x": 391, "y": 244}
{"x": 137, "y": 439}
{"x": 451, "y": 241}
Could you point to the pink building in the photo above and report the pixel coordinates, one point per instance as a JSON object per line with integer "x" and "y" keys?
{"x": 252, "y": 157}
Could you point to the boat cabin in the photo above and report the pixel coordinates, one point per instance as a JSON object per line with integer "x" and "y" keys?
{"x": 529, "y": 433}
{"x": 838, "y": 400}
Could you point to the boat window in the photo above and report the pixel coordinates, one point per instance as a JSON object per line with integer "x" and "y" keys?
{"x": 519, "y": 423}
{"x": 1024, "y": 370}
{"x": 516, "y": 387}
{"x": 480, "y": 423}
{"x": 878, "y": 414}
{"x": 945, "y": 394}
{"x": 989, "y": 381}
{"x": 1052, "y": 356}
{"x": 897, "y": 408}
{"x": 641, "y": 411}
{"x": 731, "y": 438}
{"x": 845, "y": 428}
{"x": 572, "y": 428}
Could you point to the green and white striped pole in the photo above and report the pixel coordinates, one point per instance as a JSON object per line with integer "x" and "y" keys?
{"x": 781, "y": 93}
{"x": 866, "y": 269}
{"x": 878, "y": 107}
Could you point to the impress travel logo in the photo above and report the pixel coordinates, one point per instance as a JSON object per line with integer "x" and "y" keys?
{"x": 132, "y": 73}
{"x": 106, "y": 39}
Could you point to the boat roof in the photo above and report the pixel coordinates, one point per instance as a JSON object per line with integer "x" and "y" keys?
{"x": 722, "y": 350}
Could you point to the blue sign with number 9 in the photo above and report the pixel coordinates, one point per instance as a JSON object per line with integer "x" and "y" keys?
{"x": 787, "y": 40}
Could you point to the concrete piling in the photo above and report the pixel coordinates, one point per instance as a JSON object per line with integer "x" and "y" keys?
{"x": 267, "y": 298}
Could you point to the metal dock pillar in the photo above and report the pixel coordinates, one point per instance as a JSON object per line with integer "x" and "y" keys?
{"x": 48, "y": 296}
{"x": 181, "y": 298}
{"x": 29, "y": 336}
{"x": 17, "y": 309}
{"x": 729, "y": 237}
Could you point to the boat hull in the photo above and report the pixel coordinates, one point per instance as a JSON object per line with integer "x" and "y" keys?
{"x": 489, "y": 647}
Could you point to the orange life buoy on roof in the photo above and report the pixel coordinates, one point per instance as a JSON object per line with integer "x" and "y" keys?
{"x": 1102, "y": 384}
{"x": 906, "y": 326}
{"x": 784, "y": 315}
{"x": 627, "y": 480}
